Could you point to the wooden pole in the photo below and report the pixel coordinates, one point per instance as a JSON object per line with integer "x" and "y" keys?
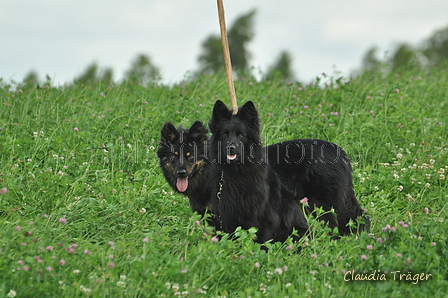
{"x": 226, "y": 52}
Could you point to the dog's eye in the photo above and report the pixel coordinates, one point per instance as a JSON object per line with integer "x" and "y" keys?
{"x": 239, "y": 134}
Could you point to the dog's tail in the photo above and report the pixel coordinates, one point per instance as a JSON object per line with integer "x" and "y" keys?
{"x": 356, "y": 219}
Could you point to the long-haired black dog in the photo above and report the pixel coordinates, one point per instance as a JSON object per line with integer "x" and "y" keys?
{"x": 245, "y": 191}
{"x": 183, "y": 159}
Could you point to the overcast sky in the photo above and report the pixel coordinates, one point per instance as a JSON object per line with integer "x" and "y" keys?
{"x": 61, "y": 37}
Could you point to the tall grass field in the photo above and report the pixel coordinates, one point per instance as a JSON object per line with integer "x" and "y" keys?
{"x": 86, "y": 212}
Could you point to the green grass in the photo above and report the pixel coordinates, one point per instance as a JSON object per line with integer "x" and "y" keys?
{"x": 87, "y": 211}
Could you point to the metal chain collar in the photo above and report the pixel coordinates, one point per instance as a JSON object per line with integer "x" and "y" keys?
{"x": 218, "y": 195}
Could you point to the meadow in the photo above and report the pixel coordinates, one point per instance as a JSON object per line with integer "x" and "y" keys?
{"x": 85, "y": 210}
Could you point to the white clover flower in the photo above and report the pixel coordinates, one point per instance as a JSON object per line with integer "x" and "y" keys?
{"x": 278, "y": 271}
{"x": 84, "y": 289}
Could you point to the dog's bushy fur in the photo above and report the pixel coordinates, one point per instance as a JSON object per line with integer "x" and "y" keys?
{"x": 320, "y": 171}
{"x": 250, "y": 194}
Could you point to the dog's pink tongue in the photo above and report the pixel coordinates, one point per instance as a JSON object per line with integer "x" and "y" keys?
{"x": 231, "y": 156}
{"x": 182, "y": 184}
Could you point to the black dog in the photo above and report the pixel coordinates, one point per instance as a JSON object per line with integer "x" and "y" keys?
{"x": 245, "y": 191}
{"x": 183, "y": 159}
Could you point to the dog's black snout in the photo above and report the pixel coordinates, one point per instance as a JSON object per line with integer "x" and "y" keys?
{"x": 181, "y": 172}
{"x": 231, "y": 148}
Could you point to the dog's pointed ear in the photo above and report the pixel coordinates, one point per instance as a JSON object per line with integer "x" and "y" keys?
{"x": 220, "y": 111}
{"x": 198, "y": 132}
{"x": 248, "y": 112}
{"x": 168, "y": 133}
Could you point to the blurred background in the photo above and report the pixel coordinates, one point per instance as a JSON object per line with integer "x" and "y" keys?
{"x": 64, "y": 41}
